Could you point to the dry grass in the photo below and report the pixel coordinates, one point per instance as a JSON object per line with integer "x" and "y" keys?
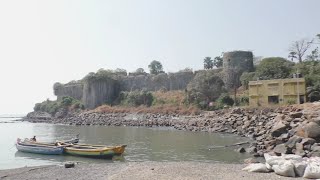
{"x": 170, "y": 102}
{"x": 158, "y": 109}
{"x": 168, "y": 97}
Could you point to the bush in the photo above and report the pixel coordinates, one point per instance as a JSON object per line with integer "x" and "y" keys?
{"x": 136, "y": 98}
{"x": 224, "y": 100}
{"x": 291, "y": 101}
{"x": 52, "y": 107}
{"x": 206, "y": 87}
{"x": 274, "y": 68}
{"x": 67, "y": 101}
{"x": 246, "y": 77}
{"x": 244, "y": 100}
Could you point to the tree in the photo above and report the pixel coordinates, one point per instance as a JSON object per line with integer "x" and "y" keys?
{"x": 140, "y": 71}
{"x": 155, "y": 67}
{"x": 292, "y": 55}
{"x": 274, "y": 68}
{"x": 246, "y": 77}
{"x": 120, "y": 71}
{"x": 208, "y": 63}
{"x": 299, "y": 48}
{"x": 218, "y": 62}
{"x": 314, "y": 56}
{"x": 206, "y": 86}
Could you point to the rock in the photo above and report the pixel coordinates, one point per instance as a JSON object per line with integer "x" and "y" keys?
{"x": 314, "y": 154}
{"x": 283, "y": 137}
{"x": 256, "y": 167}
{"x": 281, "y": 149}
{"x": 307, "y": 141}
{"x": 270, "y": 143}
{"x": 251, "y": 160}
{"x": 299, "y": 150}
{"x": 291, "y": 143}
{"x": 317, "y": 120}
{"x": 251, "y": 150}
{"x": 39, "y": 115}
{"x": 69, "y": 165}
{"x": 315, "y": 148}
{"x": 312, "y": 130}
{"x": 296, "y": 114}
{"x": 236, "y": 111}
{"x": 278, "y": 129}
{"x": 241, "y": 150}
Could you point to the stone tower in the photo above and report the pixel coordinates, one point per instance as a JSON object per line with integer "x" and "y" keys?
{"x": 234, "y": 64}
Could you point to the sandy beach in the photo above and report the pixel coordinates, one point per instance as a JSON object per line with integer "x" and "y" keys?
{"x": 138, "y": 170}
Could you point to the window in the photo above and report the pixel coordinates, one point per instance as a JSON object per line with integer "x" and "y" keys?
{"x": 273, "y": 99}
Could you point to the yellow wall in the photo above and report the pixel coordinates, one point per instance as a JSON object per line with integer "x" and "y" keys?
{"x": 284, "y": 90}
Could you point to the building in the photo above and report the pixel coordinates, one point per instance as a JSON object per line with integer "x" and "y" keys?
{"x": 277, "y": 91}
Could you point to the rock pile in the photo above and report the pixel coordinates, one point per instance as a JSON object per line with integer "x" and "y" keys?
{"x": 288, "y": 165}
{"x": 288, "y": 130}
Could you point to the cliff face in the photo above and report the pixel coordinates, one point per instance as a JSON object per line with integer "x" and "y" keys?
{"x": 98, "y": 92}
{"x": 74, "y": 90}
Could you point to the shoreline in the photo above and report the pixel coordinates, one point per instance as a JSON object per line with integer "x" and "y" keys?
{"x": 272, "y": 130}
{"x": 139, "y": 170}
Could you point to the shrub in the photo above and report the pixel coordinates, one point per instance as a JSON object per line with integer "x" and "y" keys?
{"x": 136, "y": 98}
{"x": 224, "y": 100}
{"x": 67, "y": 101}
{"x": 52, "y": 107}
{"x": 291, "y": 101}
{"x": 244, "y": 100}
{"x": 206, "y": 86}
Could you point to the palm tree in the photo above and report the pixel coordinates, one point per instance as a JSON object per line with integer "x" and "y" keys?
{"x": 208, "y": 63}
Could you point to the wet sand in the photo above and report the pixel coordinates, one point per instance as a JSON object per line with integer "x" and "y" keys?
{"x": 139, "y": 170}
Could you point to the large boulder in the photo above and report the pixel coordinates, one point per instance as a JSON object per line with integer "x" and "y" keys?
{"x": 316, "y": 120}
{"x": 312, "y": 130}
{"x": 308, "y": 141}
{"x": 291, "y": 143}
{"x": 296, "y": 114}
{"x": 281, "y": 149}
{"x": 278, "y": 129}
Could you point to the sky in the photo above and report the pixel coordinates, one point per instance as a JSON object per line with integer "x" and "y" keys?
{"x": 48, "y": 41}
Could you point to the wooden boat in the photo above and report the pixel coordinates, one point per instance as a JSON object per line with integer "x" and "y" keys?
{"x": 92, "y": 152}
{"x": 38, "y": 148}
{"x": 118, "y": 150}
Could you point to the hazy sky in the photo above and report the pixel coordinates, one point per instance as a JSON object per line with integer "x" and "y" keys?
{"x": 43, "y": 42}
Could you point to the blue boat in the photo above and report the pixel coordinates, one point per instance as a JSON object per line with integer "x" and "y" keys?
{"x": 39, "y": 148}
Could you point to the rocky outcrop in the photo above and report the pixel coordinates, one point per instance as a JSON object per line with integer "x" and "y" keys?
{"x": 38, "y": 116}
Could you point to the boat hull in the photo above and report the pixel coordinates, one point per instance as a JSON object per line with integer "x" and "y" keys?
{"x": 48, "y": 150}
{"x": 92, "y": 153}
{"x": 118, "y": 150}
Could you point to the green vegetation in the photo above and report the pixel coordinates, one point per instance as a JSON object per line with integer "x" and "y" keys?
{"x": 274, "y": 68}
{"x": 206, "y": 87}
{"x": 218, "y": 62}
{"x": 224, "y": 100}
{"x": 155, "y": 67}
{"x": 52, "y": 107}
{"x": 208, "y": 63}
{"x": 136, "y": 98}
{"x": 246, "y": 77}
